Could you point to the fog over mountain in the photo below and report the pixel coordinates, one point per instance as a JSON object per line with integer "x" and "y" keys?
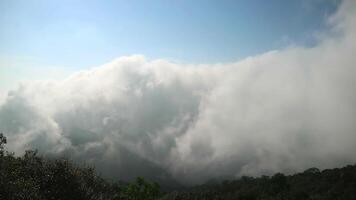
{"x": 282, "y": 111}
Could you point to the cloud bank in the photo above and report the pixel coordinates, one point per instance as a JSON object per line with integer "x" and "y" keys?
{"x": 285, "y": 110}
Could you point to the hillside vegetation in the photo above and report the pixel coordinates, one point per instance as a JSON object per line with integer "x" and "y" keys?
{"x": 32, "y": 177}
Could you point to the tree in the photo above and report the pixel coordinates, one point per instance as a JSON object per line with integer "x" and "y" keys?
{"x": 141, "y": 189}
{"x": 2, "y": 142}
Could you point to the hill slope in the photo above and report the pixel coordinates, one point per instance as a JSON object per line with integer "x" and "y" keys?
{"x": 33, "y": 177}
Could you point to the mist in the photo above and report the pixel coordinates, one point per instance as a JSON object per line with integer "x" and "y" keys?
{"x": 282, "y": 111}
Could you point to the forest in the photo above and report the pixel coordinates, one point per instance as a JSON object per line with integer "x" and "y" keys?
{"x": 34, "y": 177}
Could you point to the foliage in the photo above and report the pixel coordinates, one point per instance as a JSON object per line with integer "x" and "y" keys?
{"x": 141, "y": 189}
{"x": 32, "y": 177}
{"x": 313, "y": 184}
{"x": 2, "y": 142}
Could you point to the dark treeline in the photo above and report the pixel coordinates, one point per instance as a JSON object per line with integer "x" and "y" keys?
{"x": 32, "y": 177}
{"x": 313, "y": 184}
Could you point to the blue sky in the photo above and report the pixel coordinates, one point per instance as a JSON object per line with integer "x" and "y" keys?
{"x": 72, "y": 35}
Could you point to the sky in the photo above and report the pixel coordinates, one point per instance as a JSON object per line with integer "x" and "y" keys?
{"x": 50, "y": 39}
{"x": 179, "y": 92}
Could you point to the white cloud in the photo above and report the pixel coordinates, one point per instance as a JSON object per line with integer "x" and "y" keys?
{"x": 284, "y": 111}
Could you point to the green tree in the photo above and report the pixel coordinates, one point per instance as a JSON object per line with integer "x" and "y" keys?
{"x": 141, "y": 189}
